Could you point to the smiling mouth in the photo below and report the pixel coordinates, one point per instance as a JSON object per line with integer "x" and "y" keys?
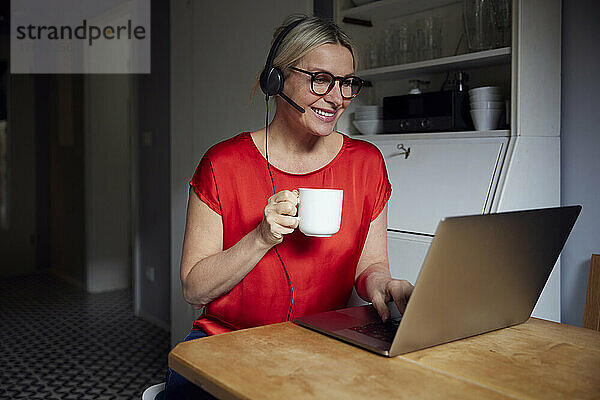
{"x": 323, "y": 113}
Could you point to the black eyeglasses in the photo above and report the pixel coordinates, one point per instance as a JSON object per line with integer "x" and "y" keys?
{"x": 322, "y": 82}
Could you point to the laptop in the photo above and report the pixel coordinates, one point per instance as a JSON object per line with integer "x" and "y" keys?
{"x": 481, "y": 273}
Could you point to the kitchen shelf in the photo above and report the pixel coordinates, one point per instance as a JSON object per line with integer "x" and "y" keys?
{"x": 383, "y": 9}
{"x": 462, "y": 61}
{"x": 435, "y": 135}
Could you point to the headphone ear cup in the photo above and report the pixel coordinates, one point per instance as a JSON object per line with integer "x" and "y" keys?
{"x": 263, "y": 81}
{"x": 271, "y": 81}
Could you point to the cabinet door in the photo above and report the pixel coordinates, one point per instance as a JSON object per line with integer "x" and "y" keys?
{"x": 440, "y": 178}
{"x": 406, "y": 254}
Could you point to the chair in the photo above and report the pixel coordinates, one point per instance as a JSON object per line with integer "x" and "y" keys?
{"x": 151, "y": 392}
{"x": 591, "y": 315}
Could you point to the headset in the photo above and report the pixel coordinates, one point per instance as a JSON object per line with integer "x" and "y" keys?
{"x": 271, "y": 83}
{"x": 271, "y": 78}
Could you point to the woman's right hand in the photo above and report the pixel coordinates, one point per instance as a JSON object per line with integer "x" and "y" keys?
{"x": 278, "y": 217}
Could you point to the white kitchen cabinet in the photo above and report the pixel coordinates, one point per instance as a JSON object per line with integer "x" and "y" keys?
{"x": 433, "y": 179}
{"x": 406, "y": 253}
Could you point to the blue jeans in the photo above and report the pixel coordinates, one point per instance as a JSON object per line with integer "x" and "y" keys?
{"x": 177, "y": 387}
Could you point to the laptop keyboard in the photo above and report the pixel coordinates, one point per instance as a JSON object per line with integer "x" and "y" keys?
{"x": 384, "y": 331}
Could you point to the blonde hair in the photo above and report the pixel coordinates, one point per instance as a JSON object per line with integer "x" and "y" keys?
{"x": 309, "y": 34}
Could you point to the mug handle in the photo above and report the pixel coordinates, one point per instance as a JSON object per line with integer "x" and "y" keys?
{"x": 297, "y": 216}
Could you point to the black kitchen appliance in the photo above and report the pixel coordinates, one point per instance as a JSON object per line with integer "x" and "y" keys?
{"x": 427, "y": 112}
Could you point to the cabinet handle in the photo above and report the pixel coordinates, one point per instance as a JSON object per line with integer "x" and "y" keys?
{"x": 403, "y": 151}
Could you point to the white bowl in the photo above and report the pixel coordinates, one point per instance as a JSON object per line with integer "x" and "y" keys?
{"x": 476, "y": 105}
{"x": 369, "y": 126}
{"x": 485, "y": 97}
{"x": 486, "y": 89}
{"x": 486, "y": 119}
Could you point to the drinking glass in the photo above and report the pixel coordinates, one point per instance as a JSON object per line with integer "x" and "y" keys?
{"x": 373, "y": 56}
{"x": 435, "y": 38}
{"x": 479, "y": 24}
{"x": 413, "y": 51}
{"x": 429, "y": 37}
{"x": 421, "y": 43}
{"x": 501, "y": 14}
{"x": 389, "y": 52}
{"x": 401, "y": 43}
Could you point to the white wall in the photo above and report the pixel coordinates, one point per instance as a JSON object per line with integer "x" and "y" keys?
{"x": 107, "y": 182}
{"x": 580, "y": 148}
{"x": 217, "y": 50}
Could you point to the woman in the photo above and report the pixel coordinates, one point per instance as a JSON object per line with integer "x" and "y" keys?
{"x": 243, "y": 259}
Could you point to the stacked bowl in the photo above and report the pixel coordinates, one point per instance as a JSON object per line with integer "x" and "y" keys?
{"x": 368, "y": 119}
{"x": 487, "y": 105}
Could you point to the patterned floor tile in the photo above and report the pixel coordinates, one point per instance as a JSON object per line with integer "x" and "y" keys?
{"x": 59, "y": 342}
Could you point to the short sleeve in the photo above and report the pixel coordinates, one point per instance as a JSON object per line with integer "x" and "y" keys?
{"x": 205, "y": 185}
{"x": 383, "y": 188}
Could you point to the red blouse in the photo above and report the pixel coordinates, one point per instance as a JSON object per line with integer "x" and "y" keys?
{"x": 233, "y": 180}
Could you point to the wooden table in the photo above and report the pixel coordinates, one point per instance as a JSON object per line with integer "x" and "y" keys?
{"x": 535, "y": 360}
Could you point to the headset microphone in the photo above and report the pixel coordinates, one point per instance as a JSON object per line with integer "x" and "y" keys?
{"x": 292, "y": 102}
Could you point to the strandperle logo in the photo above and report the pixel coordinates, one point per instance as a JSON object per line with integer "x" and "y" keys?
{"x": 80, "y": 36}
{"x": 83, "y": 32}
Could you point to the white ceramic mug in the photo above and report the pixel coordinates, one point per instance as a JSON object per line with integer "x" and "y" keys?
{"x": 319, "y": 211}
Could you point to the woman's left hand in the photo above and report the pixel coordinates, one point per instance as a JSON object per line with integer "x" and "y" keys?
{"x": 373, "y": 280}
{"x": 380, "y": 288}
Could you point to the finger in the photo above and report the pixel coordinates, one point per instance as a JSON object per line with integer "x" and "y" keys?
{"x": 288, "y": 222}
{"x": 272, "y": 200}
{"x": 286, "y": 195}
{"x": 382, "y": 309}
{"x": 281, "y": 196}
{"x": 279, "y": 231}
{"x": 285, "y": 207}
{"x": 400, "y": 291}
{"x": 286, "y": 231}
{"x": 401, "y": 305}
{"x": 283, "y": 221}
